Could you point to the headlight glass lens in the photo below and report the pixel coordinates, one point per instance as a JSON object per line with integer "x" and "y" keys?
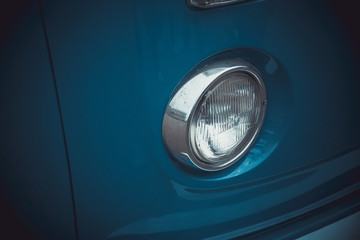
{"x": 215, "y": 114}
{"x": 228, "y": 116}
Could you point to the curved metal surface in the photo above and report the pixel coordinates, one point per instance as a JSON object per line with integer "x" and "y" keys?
{"x": 211, "y": 4}
{"x": 116, "y": 63}
{"x": 34, "y": 176}
{"x": 183, "y": 107}
{"x": 114, "y": 91}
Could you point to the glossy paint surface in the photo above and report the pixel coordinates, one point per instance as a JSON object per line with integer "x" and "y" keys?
{"x": 34, "y": 177}
{"x": 118, "y": 62}
{"x": 116, "y": 65}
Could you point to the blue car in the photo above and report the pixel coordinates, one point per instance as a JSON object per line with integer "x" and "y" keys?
{"x": 182, "y": 119}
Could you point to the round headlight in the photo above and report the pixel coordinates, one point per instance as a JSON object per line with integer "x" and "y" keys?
{"x": 215, "y": 115}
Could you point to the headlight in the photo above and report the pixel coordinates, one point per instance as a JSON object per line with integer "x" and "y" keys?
{"x": 215, "y": 114}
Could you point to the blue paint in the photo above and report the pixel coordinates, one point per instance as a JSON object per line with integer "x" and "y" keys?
{"x": 117, "y": 63}
{"x": 34, "y": 175}
{"x": 127, "y": 58}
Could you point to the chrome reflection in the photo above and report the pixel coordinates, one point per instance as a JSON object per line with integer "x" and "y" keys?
{"x": 212, "y": 3}
{"x": 186, "y": 104}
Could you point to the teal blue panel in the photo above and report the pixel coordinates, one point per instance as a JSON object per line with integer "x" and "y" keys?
{"x": 34, "y": 177}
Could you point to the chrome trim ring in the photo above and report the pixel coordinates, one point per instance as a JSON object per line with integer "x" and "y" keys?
{"x": 183, "y": 108}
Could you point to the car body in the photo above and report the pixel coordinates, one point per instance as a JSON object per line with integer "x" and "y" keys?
{"x": 84, "y": 87}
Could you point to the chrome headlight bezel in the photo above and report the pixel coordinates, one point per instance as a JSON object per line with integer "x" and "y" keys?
{"x": 183, "y": 108}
